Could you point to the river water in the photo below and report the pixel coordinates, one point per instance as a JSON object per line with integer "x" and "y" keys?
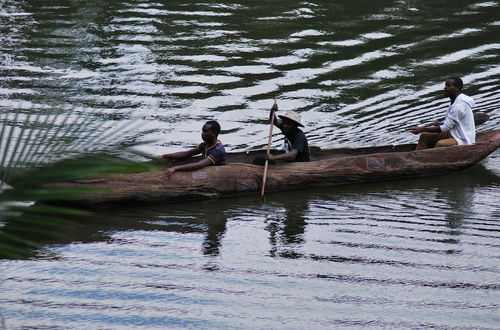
{"x": 419, "y": 253}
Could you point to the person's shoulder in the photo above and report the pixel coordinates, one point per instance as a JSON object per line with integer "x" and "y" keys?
{"x": 219, "y": 146}
{"x": 301, "y": 133}
{"x": 464, "y": 99}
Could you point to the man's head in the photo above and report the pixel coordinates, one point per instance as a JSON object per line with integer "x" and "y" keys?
{"x": 453, "y": 86}
{"x": 291, "y": 121}
{"x": 210, "y": 131}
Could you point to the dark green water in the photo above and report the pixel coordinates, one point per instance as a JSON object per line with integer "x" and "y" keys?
{"x": 409, "y": 254}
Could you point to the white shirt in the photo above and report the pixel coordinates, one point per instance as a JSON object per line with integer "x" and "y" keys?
{"x": 459, "y": 120}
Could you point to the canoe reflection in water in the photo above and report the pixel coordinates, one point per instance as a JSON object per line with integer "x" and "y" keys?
{"x": 215, "y": 229}
{"x": 286, "y": 227}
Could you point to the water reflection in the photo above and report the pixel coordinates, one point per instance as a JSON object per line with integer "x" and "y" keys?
{"x": 460, "y": 205}
{"x": 216, "y": 227}
{"x": 286, "y": 226}
{"x": 341, "y": 256}
{"x": 461, "y": 201}
{"x": 330, "y": 249}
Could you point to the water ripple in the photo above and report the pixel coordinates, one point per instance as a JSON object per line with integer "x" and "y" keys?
{"x": 415, "y": 254}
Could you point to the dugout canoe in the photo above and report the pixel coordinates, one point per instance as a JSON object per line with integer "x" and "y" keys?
{"x": 329, "y": 167}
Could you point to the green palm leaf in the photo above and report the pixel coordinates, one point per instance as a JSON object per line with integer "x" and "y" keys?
{"x": 37, "y": 150}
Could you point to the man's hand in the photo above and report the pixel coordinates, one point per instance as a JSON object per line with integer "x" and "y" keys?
{"x": 417, "y": 130}
{"x": 168, "y": 173}
{"x": 429, "y": 129}
{"x": 275, "y": 106}
{"x": 270, "y": 157}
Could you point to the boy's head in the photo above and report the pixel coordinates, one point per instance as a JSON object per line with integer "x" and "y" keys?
{"x": 291, "y": 122}
{"x": 214, "y": 126}
{"x": 210, "y": 131}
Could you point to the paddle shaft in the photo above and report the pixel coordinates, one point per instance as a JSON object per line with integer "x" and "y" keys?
{"x": 266, "y": 164}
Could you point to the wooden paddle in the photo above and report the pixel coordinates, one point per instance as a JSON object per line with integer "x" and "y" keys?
{"x": 269, "y": 141}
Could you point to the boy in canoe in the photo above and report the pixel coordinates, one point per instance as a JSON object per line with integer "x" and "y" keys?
{"x": 458, "y": 127}
{"x": 296, "y": 145}
{"x": 211, "y": 148}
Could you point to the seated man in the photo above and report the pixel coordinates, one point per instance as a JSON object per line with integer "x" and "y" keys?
{"x": 458, "y": 127}
{"x": 212, "y": 150}
{"x": 296, "y": 146}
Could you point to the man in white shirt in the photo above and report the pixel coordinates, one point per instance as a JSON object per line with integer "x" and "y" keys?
{"x": 458, "y": 127}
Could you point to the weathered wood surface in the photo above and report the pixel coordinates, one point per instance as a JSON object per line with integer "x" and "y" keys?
{"x": 330, "y": 167}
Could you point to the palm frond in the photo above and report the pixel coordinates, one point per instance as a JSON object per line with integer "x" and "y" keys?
{"x": 34, "y": 137}
{"x": 42, "y": 146}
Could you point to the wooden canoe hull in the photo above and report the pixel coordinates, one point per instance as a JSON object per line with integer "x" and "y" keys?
{"x": 333, "y": 167}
